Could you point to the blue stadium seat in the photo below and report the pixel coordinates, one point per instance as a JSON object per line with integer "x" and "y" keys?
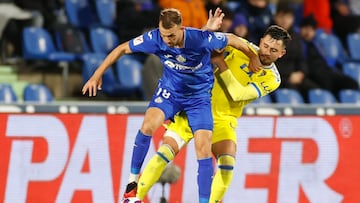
{"x": 349, "y": 96}
{"x": 106, "y": 12}
{"x": 353, "y": 42}
{"x": 71, "y": 40}
{"x": 7, "y": 94}
{"x": 263, "y": 100}
{"x": 38, "y": 45}
{"x": 90, "y": 63}
{"x": 126, "y": 82}
{"x": 38, "y": 93}
{"x": 80, "y": 14}
{"x": 103, "y": 40}
{"x": 321, "y": 96}
{"x": 288, "y": 96}
{"x": 110, "y": 85}
{"x": 352, "y": 69}
{"x": 129, "y": 74}
{"x": 332, "y": 48}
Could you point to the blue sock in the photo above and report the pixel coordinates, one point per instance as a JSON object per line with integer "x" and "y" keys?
{"x": 141, "y": 147}
{"x": 205, "y": 176}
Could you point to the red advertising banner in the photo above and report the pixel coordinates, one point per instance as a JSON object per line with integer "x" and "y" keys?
{"x": 86, "y": 158}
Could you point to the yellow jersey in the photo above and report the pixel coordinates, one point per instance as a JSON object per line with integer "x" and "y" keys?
{"x": 224, "y": 109}
{"x": 263, "y": 82}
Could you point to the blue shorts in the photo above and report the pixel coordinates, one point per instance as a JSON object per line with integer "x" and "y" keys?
{"x": 198, "y": 110}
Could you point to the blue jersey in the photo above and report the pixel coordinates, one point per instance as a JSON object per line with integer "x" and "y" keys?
{"x": 187, "y": 71}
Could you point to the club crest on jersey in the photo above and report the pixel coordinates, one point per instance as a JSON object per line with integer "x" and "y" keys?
{"x": 262, "y": 73}
{"x": 180, "y": 58}
{"x": 158, "y": 100}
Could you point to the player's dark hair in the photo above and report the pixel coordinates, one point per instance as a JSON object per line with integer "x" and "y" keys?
{"x": 170, "y": 17}
{"x": 278, "y": 33}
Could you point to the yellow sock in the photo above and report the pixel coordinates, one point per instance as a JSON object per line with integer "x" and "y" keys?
{"x": 222, "y": 178}
{"x": 153, "y": 170}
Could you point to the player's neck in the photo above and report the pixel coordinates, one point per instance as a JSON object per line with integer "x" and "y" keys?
{"x": 180, "y": 44}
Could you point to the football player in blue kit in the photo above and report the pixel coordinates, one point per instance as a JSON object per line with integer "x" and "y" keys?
{"x": 185, "y": 85}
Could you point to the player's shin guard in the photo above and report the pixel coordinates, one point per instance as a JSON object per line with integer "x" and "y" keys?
{"x": 154, "y": 169}
{"x": 140, "y": 150}
{"x": 222, "y": 178}
{"x": 205, "y": 174}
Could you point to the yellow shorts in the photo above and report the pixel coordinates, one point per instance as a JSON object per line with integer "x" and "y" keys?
{"x": 224, "y": 128}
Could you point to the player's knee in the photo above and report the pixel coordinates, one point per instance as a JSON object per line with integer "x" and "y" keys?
{"x": 166, "y": 153}
{"x": 203, "y": 151}
{"x": 203, "y": 148}
{"x": 148, "y": 128}
{"x": 174, "y": 139}
{"x": 226, "y": 162}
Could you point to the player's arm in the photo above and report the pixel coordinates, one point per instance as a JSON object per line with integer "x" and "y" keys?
{"x": 237, "y": 91}
{"x": 114, "y": 55}
{"x": 95, "y": 82}
{"x": 243, "y": 46}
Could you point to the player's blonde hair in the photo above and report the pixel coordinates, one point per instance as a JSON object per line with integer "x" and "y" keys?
{"x": 170, "y": 17}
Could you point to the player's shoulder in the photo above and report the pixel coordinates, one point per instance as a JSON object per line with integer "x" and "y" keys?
{"x": 153, "y": 34}
{"x": 268, "y": 79}
{"x": 195, "y": 37}
{"x": 272, "y": 73}
{"x": 195, "y": 33}
{"x": 195, "y": 30}
{"x": 149, "y": 36}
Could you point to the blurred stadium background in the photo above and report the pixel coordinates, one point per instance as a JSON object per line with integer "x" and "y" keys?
{"x": 60, "y": 146}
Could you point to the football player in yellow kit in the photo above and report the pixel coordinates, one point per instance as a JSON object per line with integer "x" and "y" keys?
{"x": 235, "y": 86}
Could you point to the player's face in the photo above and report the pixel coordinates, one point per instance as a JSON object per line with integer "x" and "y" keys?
{"x": 270, "y": 50}
{"x": 173, "y": 37}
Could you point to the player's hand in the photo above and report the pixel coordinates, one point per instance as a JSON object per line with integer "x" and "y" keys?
{"x": 255, "y": 64}
{"x": 215, "y": 20}
{"x": 92, "y": 85}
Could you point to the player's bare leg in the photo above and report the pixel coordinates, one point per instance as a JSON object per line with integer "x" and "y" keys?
{"x": 154, "y": 118}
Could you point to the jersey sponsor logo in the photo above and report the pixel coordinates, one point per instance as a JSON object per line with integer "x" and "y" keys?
{"x": 220, "y": 36}
{"x": 177, "y": 66}
{"x": 249, "y": 73}
{"x": 180, "y": 58}
{"x": 138, "y": 40}
{"x": 168, "y": 56}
